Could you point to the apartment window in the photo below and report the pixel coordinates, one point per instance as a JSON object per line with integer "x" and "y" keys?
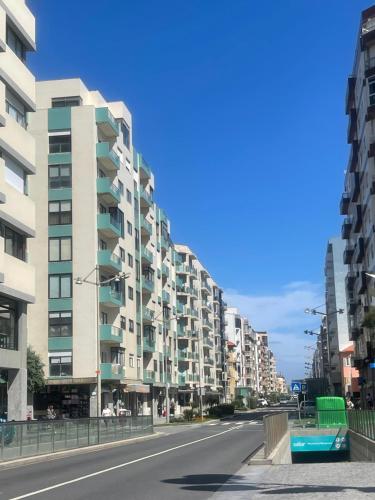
{"x": 120, "y": 187}
{"x": 60, "y": 364}
{"x": 122, "y": 254}
{"x": 59, "y": 176}
{"x": 137, "y": 270}
{"x": 131, "y": 325}
{"x": 131, "y": 360}
{"x": 130, "y": 260}
{"x": 371, "y": 90}
{"x": 15, "y": 108}
{"x": 66, "y": 102}
{"x": 123, "y": 322}
{"x": 136, "y": 238}
{"x": 15, "y": 44}
{"x": 103, "y": 318}
{"x": 59, "y": 249}
{"x": 59, "y": 212}
{"x": 125, "y": 134}
{"x": 128, "y": 196}
{"x": 102, "y": 244}
{"x": 118, "y": 355}
{"x": 130, "y": 228}
{"x": 60, "y": 324}
{"x": 14, "y": 243}
{"x": 8, "y": 325}
{"x": 61, "y": 143}
{"x": 130, "y": 293}
{"x": 60, "y": 286}
{"x": 14, "y": 174}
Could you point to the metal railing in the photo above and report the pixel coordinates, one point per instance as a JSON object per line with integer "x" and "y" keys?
{"x": 275, "y": 427}
{"x": 362, "y": 422}
{"x": 25, "y": 439}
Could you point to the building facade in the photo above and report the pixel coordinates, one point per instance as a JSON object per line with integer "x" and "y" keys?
{"x": 17, "y": 214}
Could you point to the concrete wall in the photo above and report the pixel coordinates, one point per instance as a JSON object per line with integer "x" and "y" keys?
{"x": 362, "y": 449}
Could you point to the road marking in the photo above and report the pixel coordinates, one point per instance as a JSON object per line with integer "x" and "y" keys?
{"x": 119, "y": 466}
{"x": 240, "y": 423}
{"x": 212, "y": 424}
{"x": 226, "y": 423}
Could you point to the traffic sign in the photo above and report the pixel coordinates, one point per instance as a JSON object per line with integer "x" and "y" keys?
{"x": 296, "y": 386}
{"x": 303, "y": 388}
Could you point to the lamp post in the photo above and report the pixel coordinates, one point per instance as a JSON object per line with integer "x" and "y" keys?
{"x": 97, "y": 283}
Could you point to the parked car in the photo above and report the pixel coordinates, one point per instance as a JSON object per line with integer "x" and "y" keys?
{"x": 308, "y": 408}
{"x": 262, "y": 403}
{"x": 284, "y": 401}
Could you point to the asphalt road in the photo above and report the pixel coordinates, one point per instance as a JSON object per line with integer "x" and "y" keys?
{"x": 186, "y": 462}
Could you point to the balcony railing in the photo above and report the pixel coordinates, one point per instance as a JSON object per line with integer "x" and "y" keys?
{"x": 146, "y": 254}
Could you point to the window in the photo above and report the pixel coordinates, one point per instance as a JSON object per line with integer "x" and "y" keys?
{"x": 130, "y": 260}
{"x": 14, "y": 243}
{"x": 14, "y": 43}
{"x": 130, "y": 228}
{"x": 122, "y": 254}
{"x": 15, "y": 108}
{"x": 59, "y": 176}
{"x": 130, "y": 293}
{"x": 59, "y": 249}
{"x": 128, "y": 196}
{"x": 60, "y": 324}
{"x": 15, "y": 175}
{"x": 136, "y": 237}
{"x": 60, "y": 143}
{"x": 131, "y": 325}
{"x": 118, "y": 355}
{"x": 131, "y": 360}
{"x": 103, "y": 318}
{"x": 60, "y": 286}
{"x": 8, "y": 325}
{"x": 59, "y": 212}
{"x": 123, "y": 322}
{"x": 125, "y": 134}
{"x": 120, "y": 187}
{"x": 137, "y": 270}
{"x": 66, "y": 102}
{"x": 60, "y": 364}
{"x": 371, "y": 90}
{"x": 102, "y": 244}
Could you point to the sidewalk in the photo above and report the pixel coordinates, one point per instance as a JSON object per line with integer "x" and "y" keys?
{"x": 354, "y": 480}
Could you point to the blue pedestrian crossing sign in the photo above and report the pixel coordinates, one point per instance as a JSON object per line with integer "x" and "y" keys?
{"x": 296, "y": 386}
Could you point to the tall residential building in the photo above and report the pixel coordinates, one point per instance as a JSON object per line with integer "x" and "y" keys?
{"x": 235, "y": 332}
{"x": 232, "y": 374}
{"x": 337, "y": 318}
{"x": 357, "y": 202}
{"x": 281, "y": 386}
{"x": 17, "y": 214}
{"x": 200, "y": 331}
{"x": 250, "y": 358}
{"x": 263, "y": 363}
{"x": 96, "y": 219}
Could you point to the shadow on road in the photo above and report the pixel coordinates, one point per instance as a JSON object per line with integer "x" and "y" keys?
{"x": 211, "y": 482}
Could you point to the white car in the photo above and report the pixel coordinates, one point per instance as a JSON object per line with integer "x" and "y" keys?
{"x": 262, "y": 403}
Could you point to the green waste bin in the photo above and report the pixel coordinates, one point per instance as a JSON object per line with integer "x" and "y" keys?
{"x": 331, "y": 412}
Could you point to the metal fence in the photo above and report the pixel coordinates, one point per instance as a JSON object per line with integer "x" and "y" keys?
{"x": 275, "y": 427}
{"x": 24, "y": 439}
{"x": 362, "y": 422}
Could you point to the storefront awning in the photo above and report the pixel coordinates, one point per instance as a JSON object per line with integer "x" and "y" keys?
{"x": 141, "y": 388}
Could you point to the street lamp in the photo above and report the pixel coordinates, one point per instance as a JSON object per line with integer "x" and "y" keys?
{"x": 315, "y": 312}
{"x": 97, "y": 283}
{"x": 311, "y": 332}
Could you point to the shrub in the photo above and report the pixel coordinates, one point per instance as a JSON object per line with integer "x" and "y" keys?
{"x": 220, "y": 411}
{"x": 188, "y": 415}
{"x": 239, "y": 404}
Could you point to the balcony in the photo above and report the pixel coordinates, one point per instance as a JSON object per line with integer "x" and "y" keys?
{"x": 348, "y": 254}
{"x": 346, "y": 228}
{"x": 208, "y": 361}
{"x": 361, "y": 283}
{"x": 108, "y": 191}
{"x": 355, "y": 187}
{"x": 146, "y": 255}
{"x": 207, "y": 324}
{"x": 111, "y": 334}
{"x": 112, "y": 371}
{"x": 144, "y": 169}
{"x": 353, "y": 157}
{"x": 164, "y": 271}
{"x": 107, "y": 157}
{"x": 359, "y": 251}
{"x": 166, "y": 297}
{"x": 207, "y": 342}
{"x": 206, "y": 287}
{"x": 206, "y": 306}
{"x": 109, "y": 297}
{"x": 352, "y": 125}
{"x": 109, "y": 225}
{"x": 350, "y": 94}
{"x": 106, "y": 122}
{"x": 350, "y": 281}
{"x": 149, "y": 344}
{"x": 148, "y": 315}
{"x": 146, "y": 199}
{"x": 149, "y": 377}
{"x": 357, "y": 219}
{"x": 355, "y": 333}
{"x": 344, "y": 204}
{"x": 181, "y": 380}
{"x": 194, "y": 313}
{"x": 146, "y": 227}
{"x": 209, "y": 380}
{"x": 109, "y": 260}
{"x": 353, "y": 304}
{"x": 368, "y": 28}
{"x": 164, "y": 243}
{"x": 147, "y": 285}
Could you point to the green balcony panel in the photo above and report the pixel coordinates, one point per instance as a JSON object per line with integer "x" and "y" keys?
{"x": 59, "y": 158}
{"x": 146, "y": 227}
{"x": 110, "y": 260}
{"x": 59, "y": 194}
{"x": 110, "y": 333}
{"x": 59, "y": 119}
{"x": 109, "y": 226}
{"x": 148, "y": 376}
{"x": 148, "y": 344}
{"x": 110, "y": 371}
{"x": 142, "y": 166}
{"x": 107, "y": 156}
{"x": 181, "y": 380}
{"x": 60, "y": 304}
{"x": 147, "y": 255}
{"x": 110, "y": 297}
{"x": 147, "y": 285}
{"x": 145, "y": 198}
{"x": 164, "y": 270}
{"x": 166, "y": 297}
{"x": 108, "y": 191}
{"x": 148, "y": 315}
{"x": 60, "y": 343}
{"x": 164, "y": 243}
{"x": 60, "y": 230}
{"x": 64, "y": 267}
{"x": 106, "y": 122}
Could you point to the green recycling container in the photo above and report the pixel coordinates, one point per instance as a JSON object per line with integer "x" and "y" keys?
{"x": 331, "y": 412}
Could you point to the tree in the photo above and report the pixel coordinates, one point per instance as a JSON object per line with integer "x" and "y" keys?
{"x": 35, "y": 373}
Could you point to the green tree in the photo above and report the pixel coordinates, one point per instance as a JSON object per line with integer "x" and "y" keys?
{"x": 35, "y": 373}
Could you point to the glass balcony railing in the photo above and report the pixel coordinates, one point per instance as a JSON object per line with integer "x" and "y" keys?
{"x": 106, "y": 122}
{"x": 145, "y": 197}
{"x": 112, "y": 371}
{"x": 148, "y": 315}
{"x": 147, "y": 284}
{"x": 109, "y": 225}
{"x": 107, "y": 156}
{"x": 110, "y": 333}
{"x": 108, "y": 259}
{"x": 164, "y": 270}
{"x": 146, "y": 226}
{"x": 148, "y": 344}
{"x": 166, "y": 297}
{"x": 105, "y": 187}
{"x": 110, "y": 297}
{"x": 146, "y": 254}
{"x": 149, "y": 376}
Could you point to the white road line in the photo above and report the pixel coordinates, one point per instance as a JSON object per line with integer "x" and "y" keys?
{"x": 109, "y": 469}
{"x": 212, "y": 424}
{"x": 239, "y": 423}
{"x": 226, "y": 423}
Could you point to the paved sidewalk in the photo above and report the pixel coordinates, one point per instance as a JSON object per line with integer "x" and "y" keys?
{"x": 328, "y": 481}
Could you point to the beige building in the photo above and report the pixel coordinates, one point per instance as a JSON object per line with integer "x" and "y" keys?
{"x": 232, "y": 374}
{"x": 17, "y": 214}
{"x": 97, "y": 221}
{"x": 281, "y": 386}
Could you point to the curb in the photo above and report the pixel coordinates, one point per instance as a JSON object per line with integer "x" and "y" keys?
{"x": 11, "y": 464}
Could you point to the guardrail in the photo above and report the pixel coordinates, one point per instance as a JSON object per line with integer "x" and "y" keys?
{"x": 362, "y": 422}
{"x": 25, "y": 439}
{"x": 275, "y": 428}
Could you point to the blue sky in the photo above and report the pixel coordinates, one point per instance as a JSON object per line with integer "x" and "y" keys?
{"x": 239, "y": 109}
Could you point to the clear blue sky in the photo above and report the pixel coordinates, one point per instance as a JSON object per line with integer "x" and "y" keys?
{"x": 238, "y": 106}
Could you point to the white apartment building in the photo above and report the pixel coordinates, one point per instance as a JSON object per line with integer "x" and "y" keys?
{"x": 235, "y": 333}
{"x": 17, "y": 214}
